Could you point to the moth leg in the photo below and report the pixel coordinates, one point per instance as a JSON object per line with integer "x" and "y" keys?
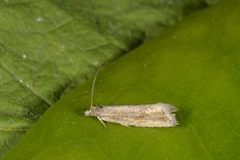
{"x": 126, "y": 125}
{"x": 101, "y": 122}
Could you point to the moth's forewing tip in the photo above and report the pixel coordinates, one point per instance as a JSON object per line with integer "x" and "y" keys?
{"x": 173, "y": 108}
{"x": 176, "y": 123}
{"x": 172, "y": 124}
{"x": 169, "y": 107}
{"x": 174, "y": 120}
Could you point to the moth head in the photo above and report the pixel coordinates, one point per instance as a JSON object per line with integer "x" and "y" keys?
{"x": 93, "y": 111}
{"x": 87, "y": 113}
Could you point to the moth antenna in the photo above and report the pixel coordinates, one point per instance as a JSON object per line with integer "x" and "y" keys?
{"x": 93, "y": 86}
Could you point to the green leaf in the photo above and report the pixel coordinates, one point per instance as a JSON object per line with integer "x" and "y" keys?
{"x": 194, "y": 66}
{"x": 49, "y": 46}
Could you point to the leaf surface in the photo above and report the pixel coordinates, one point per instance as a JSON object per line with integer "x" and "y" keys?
{"x": 194, "y": 66}
{"x": 49, "y": 46}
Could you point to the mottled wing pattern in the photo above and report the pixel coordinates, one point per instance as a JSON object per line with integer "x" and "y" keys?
{"x": 152, "y": 115}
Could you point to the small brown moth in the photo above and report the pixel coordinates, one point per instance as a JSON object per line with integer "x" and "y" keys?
{"x": 145, "y": 115}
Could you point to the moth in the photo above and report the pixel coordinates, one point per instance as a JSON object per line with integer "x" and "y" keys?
{"x": 144, "y": 115}
{"x": 148, "y": 115}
